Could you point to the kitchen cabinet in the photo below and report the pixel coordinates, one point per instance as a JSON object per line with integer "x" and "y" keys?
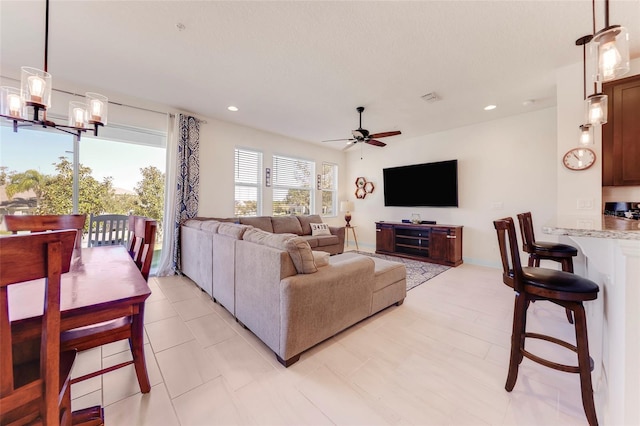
{"x": 621, "y": 134}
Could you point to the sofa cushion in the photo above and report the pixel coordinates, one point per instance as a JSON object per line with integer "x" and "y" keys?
{"x": 306, "y": 221}
{"x": 301, "y": 255}
{"x": 210, "y": 225}
{"x": 327, "y": 240}
{"x": 259, "y": 236}
{"x": 321, "y": 258}
{"x": 320, "y": 229}
{"x": 313, "y": 241}
{"x": 232, "y": 230}
{"x": 262, "y": 222}
{"x": 193, "y": 223}
{"x": 286, "y": 224}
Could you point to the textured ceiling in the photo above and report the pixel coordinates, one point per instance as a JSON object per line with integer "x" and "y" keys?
{"x": 300, "y": 68}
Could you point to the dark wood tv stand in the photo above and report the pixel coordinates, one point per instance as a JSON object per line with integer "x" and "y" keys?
{"x": 430, "y": 243}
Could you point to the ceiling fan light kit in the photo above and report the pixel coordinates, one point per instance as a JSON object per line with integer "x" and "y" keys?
{"x": 35, "y": 95}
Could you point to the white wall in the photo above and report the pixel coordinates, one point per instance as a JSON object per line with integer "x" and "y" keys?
{"x": 218, "y": 139}
{"x": 505, "y": 167}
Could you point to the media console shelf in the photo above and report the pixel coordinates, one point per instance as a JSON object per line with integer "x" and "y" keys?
{"x": 430, "y": 243}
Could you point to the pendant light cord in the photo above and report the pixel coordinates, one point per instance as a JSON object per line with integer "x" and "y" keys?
{"x": 584, "y": 71}
{"x": 593, "y": 14}
{"x": 46, "y": 38}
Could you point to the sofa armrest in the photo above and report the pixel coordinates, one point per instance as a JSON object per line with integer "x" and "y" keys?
{"x": 339, "y": 232}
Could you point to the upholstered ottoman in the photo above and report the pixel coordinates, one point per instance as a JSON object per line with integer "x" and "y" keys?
{"x": 390, "y": 280}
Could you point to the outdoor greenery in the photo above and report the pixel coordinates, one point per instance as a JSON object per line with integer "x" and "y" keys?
{"x": 54, "y": 193}
{"x": 246, "y": 208}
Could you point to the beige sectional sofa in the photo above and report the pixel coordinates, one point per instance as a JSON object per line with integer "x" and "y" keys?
{"x": 298, "y": 225}
{"x": 289, "y": 296}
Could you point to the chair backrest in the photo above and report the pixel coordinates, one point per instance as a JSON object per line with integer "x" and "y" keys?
{"x": 526, "y": 229}
{"x": 24, "y": 258}
{"x": 108, "y": 230}
{"x": 41, "y": 223}
{"x": 508, "y": 244}
{"x": 142, "y": 241}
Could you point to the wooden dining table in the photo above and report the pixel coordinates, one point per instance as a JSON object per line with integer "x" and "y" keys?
{"x": 103, "y": 284}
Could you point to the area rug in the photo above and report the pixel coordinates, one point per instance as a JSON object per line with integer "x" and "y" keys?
{"x": 417, "y": 272}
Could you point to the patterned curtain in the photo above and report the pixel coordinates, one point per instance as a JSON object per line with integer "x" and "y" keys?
{"x": 187, "y": 178}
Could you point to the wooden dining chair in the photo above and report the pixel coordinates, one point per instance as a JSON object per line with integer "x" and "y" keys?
{"x": 41, "y": 223}
{"x": 142, "y": 241}
{"x": 108, "y": 230}
{"x": 36, "y": 391}
{"x": 560, "y": 287}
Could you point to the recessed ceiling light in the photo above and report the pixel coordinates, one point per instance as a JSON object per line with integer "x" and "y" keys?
{"x": 489, "y": 107}
{"x": 232, "y": 108}
{"x": 180, "y": 26}
{"x": 528, "y": 102}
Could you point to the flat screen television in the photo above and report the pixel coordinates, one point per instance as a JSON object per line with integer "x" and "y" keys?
{"x": 427, "y": 185}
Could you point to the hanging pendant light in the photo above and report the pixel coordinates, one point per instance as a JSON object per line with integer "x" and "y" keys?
{"x": 596, "y": 109}
{"x": 586, "y": 134}
{"x": 612, "y": 50}
{"x": 35, "y": 94}
{"x": 595, "y": 114}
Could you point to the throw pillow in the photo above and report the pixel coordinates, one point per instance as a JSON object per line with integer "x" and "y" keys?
{"x": 301, "y": 255}
{"x": 320, "y": 229}
{"x": 321, "y": 258}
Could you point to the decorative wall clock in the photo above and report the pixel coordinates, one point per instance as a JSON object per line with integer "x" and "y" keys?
{"x": 579, "y": 159}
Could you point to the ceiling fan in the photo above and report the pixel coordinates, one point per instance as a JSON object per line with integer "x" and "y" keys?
{"x": 362, "y": 135}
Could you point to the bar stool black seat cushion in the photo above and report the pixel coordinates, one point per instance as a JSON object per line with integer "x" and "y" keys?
{"x": 564, "y": 285}
{"x": 543, "y": 247}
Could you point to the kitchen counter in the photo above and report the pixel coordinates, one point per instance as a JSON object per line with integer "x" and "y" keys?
{"x": 599, "y": 226}
{"x": 610, "y": 256}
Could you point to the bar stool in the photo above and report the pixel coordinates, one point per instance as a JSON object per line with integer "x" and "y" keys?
{"x": 539, "y": 250}
{"x": 562, "y": 288}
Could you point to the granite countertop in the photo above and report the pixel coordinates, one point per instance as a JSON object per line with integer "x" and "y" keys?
{"x": 600, "y": 226}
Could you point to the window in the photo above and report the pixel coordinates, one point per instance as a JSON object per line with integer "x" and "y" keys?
{"x": 292, "y": 186}
{"x": 248, "y": 166}
{"x": 121, "y": 172}
{"x": 329, "y": 188}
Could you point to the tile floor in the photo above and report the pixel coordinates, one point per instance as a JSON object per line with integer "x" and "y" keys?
{"x": 439, "y": 359}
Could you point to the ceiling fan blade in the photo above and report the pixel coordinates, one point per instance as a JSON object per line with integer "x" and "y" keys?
{"x": 336, "y": 140}
{"x": 349, "y": 145}
{"x": 375, "y": 142}
{"x": 385, "y": 134}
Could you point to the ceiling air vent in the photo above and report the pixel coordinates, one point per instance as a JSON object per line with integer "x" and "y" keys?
{"x": 430, "y": 97}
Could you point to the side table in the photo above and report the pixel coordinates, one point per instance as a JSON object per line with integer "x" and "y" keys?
{"x": 346, "y": 235}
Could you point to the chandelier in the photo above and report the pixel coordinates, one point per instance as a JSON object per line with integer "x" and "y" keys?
{"x": 34, "y": 96}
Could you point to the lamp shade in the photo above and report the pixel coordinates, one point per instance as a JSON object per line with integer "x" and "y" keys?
{"x": 612, "y": 54}
{"x": 35, "y": 87}
{"x": 346, "y": 206}
{"x": 596, "y": 106}
{"x": 77, "y": 114}
{"x": 97, "y": 108}
{"x": 11, "y": 103}
{"x": 586, "y": 134}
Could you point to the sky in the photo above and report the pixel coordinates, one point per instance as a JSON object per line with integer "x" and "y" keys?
{"x": 31, "y": 149}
